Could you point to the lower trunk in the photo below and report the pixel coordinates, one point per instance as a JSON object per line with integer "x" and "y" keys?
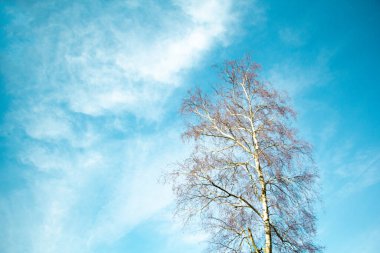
{"x": 268, "y": 237}
{"x": 264, "y": 199}
{"x": 267, "y": 228}
{"x": 265, "y": 213}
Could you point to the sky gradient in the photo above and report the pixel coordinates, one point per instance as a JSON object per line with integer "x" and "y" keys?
{"x": 89, "y": 114}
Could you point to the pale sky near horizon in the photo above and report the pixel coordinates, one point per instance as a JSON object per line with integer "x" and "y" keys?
{"x": 89, "y": 113}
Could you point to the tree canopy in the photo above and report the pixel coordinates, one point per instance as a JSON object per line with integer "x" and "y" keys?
{"x": 250, "y": 178}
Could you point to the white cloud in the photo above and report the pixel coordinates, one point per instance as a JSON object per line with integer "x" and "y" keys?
{"x": 115, "y": 62}
{"x": 81, "y": 72}
{"x": 163, "y": 59}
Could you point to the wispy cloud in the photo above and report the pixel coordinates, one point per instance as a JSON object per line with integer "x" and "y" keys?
{"x": 84, "y": 79}
{"x": 358, "y": 170}
{"x": 345, "y": 168}
{"x": 296, "y": 76}
{"x": 110, "y": 54}
{"x": 292, "y": 37}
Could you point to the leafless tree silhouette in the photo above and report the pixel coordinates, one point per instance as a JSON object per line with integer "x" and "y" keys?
{"x": 250, "y": 179}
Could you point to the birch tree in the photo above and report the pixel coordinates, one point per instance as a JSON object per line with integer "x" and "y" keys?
{"x": 250, "y": 180}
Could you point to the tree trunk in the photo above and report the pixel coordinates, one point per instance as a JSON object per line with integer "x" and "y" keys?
{"x": 265, "y": 214}
{"x": 264, "y": 199}
{"x": 267, "y": 229}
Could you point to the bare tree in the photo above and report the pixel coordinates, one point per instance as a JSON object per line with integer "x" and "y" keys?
{"x": 249, "y": 179}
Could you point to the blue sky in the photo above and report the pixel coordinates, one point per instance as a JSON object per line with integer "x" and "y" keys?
{"x": 89, "y": 119}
